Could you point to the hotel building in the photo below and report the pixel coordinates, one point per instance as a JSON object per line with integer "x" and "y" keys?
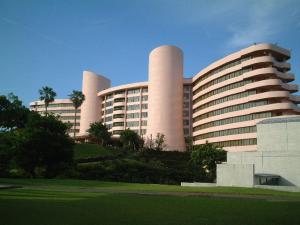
{"x": 221, "y": 104}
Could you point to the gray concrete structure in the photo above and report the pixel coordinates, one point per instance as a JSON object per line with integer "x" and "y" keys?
{"x": 277, "y": 158}
{"x": 239, "y": 175}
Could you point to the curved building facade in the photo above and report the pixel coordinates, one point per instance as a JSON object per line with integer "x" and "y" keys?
{"x": 165, "y": 85}
{"x": 221, "y": 104}
{"x": 231, "y": 95}
{"x": 91, "y": 107}
{"x": 64, "y": 109}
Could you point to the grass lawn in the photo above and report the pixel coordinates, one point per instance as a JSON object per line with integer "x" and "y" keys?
{"x": 72, "y": 202}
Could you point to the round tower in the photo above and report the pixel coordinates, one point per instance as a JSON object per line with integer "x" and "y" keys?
{"x": 91, "y": 107}
{"x": 165, "y": 96}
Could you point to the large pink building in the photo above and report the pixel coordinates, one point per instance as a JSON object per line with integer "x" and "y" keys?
{"x": 221, "y": 104}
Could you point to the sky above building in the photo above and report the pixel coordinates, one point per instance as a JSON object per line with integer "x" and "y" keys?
{"x": 51, "y": 42}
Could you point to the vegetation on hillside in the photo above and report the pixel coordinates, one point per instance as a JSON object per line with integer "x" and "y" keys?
{"x": 34, "y": 145}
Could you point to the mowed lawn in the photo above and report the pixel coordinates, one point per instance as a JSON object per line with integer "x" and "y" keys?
{"x": 72, "y": 202}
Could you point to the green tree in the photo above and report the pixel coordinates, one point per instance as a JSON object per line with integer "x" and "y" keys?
{"x": 12, "y": 113}
{"x": 77, "y": 98}
{"x": 206, "y": 157}
{"x": 159, "y": 142}
{"x": 7, "y": 144}
{"x": 99, "y": 132}
{"x": 47, "y": 94}
{"x": 131, "y": 140}
{"x": 43, "y": 145}
{"x": 188, "y": 143}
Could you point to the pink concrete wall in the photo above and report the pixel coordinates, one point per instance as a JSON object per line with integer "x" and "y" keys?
{"x": 91, "y": 107}
{"x": 165, "y": 96}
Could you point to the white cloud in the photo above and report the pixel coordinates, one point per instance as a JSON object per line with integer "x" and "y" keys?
{"x": 265, "y": 21}
{"x": 245, "y": 21}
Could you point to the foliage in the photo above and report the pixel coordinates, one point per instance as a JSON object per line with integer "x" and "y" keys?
{"x": 90, "y": 151}
{"x": 148, "y": 166}
{"x": 77, "y": 98}
{"x": 44, "y": 148}
{"x": 12, "y": 113}
{"x": 131, "y": 140}
{"x": 160, "y": 142}
{"x": 7, "y": 151}
{"x": 99, "y": 133}
{"x": 47, "y": 94}
{"x": 206, "y": 157}
{"x": 155, "y": 144}
{"x": 189, "y": 143}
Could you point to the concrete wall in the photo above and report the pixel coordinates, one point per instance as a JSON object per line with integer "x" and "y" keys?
{"x": 238, "y": 175}
{"x": 284, "y": 164}
{"x": 279, "y": 136}
{"x": 278, "y": 152}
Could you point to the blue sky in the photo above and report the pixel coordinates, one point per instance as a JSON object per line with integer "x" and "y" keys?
{"x": 50, "y": 42}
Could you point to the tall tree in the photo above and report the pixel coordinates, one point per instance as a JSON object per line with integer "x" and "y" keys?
{"x": 99, "y": 132}
{"x": 77, "y": 98}
{"x": 12, "y": 113}
{"x": 44, "y": 146}
{"x": 130, "y": 139}
{"x": 47, "y": 94}
{"x": 206, "y": 157}
{"x": 160, "y": 142}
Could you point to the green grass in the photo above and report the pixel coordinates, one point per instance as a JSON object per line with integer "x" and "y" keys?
{"x": 120, "y": 186}
{"x": 82, "y": 151}
{"x": 57, "y": 205}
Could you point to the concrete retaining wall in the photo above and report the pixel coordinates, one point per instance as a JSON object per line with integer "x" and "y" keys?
{"x": 238, "y": 175}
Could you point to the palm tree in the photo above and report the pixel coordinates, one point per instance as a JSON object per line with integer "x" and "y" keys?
{"x": 77, "y": 98}
{"x": 99, "y": 132}
{"x": 47, "y": 95}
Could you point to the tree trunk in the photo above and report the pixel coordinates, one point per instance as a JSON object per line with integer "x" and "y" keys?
{"x": 46, "y": 110}
{"x": 74, "y": 124}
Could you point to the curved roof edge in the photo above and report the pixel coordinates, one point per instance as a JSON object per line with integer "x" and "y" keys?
{"x": 238, "y": 54}
{"x": 165, "y": 46}
{"x": 285, "y": 119}
{"x": 123, "y": 86}
{"x": 134, "y": 85}
{"x": 59, "y": 100}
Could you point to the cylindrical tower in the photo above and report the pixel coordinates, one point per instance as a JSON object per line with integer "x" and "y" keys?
{"x": 165, "y": 96}
{"x": 91, "y": 107}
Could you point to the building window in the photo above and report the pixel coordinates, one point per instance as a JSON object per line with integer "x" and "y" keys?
{"x": 144, "y": 115}
{"x": 186, "y": 122}
{"x": 118, "y": 124}
{"x": 145, "y": 98}
{"x": 118, "y": 108}
{"x": 109, "y": 111}
{"x": 118, "y": 116}
{"x": 119, "y": 100}
{"x": 132, "y": 123}
{"x": 186, "y": 113}
{"x": 120, "y": 92}
{"x": 108, "y": 118}
{"x": 133, "y": 91}
{"x": 133, "y": 115}
{"x": 133, "y": 107}
{"x": 133, "y": 99}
